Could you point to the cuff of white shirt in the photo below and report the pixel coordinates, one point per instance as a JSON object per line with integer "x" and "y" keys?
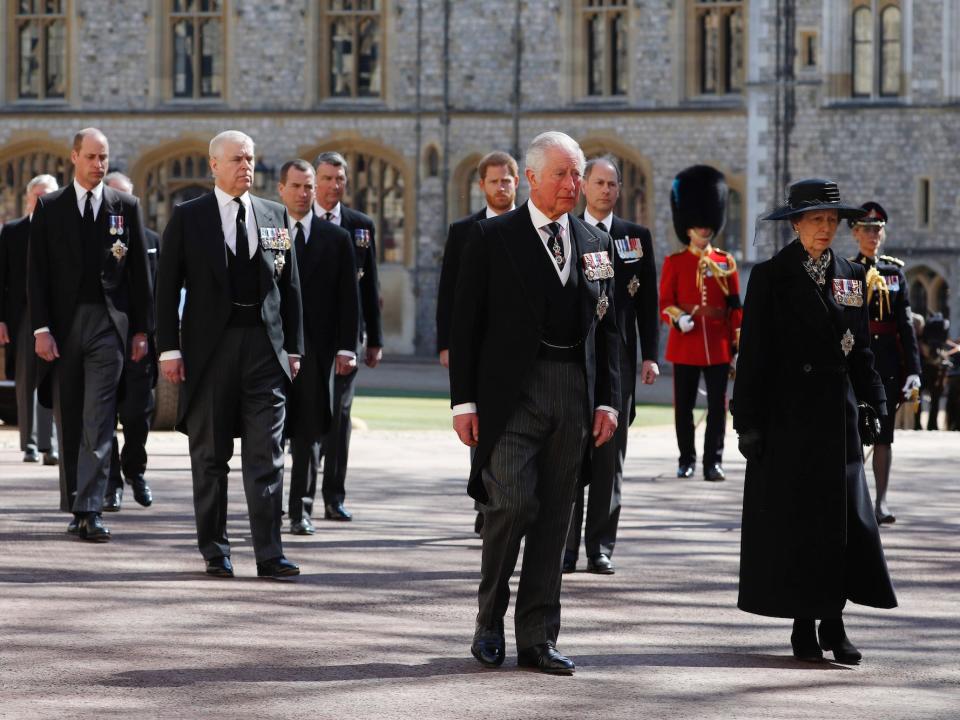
{"x": 609, "y": 410}
{"x": 347, "y": 353}
{"x": 464, "y": 408}
{"x": 38, "y": 331}
{"x": 170, "y": 355}
{"x": 294, "y": 356}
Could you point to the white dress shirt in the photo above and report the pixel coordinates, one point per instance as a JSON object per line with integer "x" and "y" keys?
{"x": 336, "y": 216}
{"x": 607, "y": 221}
{"x": 228, "y": 220}
{"x": 493, "y": 213}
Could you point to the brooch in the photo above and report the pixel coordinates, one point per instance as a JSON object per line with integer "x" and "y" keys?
{"x": 603, "y": 302}
{"x": 118, "y": 250}
{"x": 846, "y": 343}
{"x": 633, "y": 286}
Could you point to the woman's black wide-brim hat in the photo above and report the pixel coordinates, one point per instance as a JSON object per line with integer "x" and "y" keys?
{"x": 814, "y": 194}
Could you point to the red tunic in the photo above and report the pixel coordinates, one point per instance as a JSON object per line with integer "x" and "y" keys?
{"x": 714, "y": 305}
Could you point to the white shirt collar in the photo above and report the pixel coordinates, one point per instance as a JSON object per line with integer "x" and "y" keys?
{"x": 81, "y": 191}
{"x": 224, "y": 198}
{"x": 335, "y": 212}
{"x": 607, "y": 221}
{"x": 306, "y": 221}
{"x": 540, "y": 220}
{"x": 490, "y": 213}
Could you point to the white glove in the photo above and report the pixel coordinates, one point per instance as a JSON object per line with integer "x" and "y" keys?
{"x": 685, "y": 323}
{"x": 913, "y": 383}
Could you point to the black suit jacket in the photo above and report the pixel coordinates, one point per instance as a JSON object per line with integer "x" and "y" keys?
{"x": 500, "y": 308}
{"x": 457, "y": 236}
{"x": 369, "y": 281}
{"x": 14, "y": 240}
{"x": 194, "y": 257}
{"x": 53, "y": 283}
{"x": 637, "y": 313}
{"x": 331, "y": 323}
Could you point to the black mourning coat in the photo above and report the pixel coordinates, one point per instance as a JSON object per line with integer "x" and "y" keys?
{"x": 369, "y": 280}
{"x": 499, "y": 312}
{"x": 809, "y": 537}
{"x": 14, "y": 239}
{"x": 457, "y": 235}
{"x": 194, "y": 256}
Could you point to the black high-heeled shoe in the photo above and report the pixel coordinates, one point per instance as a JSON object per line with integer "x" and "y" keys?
{"x": 834, "y": 638}
{"x": 804, "y": 640}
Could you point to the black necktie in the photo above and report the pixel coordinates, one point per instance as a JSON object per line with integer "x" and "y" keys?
{"x": 88, "y": 210}
{"x": 243, "y": 240}
{"x": 299, "y": 242}
{"x": 601, "y": 226}
{"x": 555, "y": 244}
{"x": 328, "y": 217}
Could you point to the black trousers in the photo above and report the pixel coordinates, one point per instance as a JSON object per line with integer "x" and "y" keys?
{"x": 530, "y": 479}
{"x": 134, "y": 412}
{"x": 686, "y": 379}
{"x": 335, "y": 446}
{"x": 244, "y": 390}
{"x": 34, "y": 420}
{"x": 85, "y": 406}
{"x": 303, "y": 477}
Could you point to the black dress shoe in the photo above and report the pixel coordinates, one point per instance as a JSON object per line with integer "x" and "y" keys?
{"x": 141, "y": 491}
{"x": 600, "y": 564}
{"x": 478, "y": 524}
{"x": 804, "y": 640}
{"x": 31, "y": 455}
{"x": 336, "y": 511}
{"x": 220, "y": 567}
{"x": 92, "y": 529}
{"x": 714, "y": 473}
{"x": 51, "y": 458}
{"x": 834, "y": 637}
{"x": 277, "y": 567}
{"x": 545, "y": 658}
{"x": 569, "y": 563}
{"x": 685, "y": 470}
{"x": 113, "y": 500}
{"x": 884, "y": 516}
{"x": 489, "y": 645}
{"x": 74, "y": 527}
{"x": 302, "y": 527}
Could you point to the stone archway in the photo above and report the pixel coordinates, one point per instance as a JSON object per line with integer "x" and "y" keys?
{"x": 21, "y": 162}
{"x": 170, "y": 175}
{"x": 636, "y": 196}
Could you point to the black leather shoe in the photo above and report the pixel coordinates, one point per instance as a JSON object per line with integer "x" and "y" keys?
{"x": 834, "y": 638}
{"x": 277, "y": 567}
{"x": 884, "y": 516}
{"x": 685, "y": 470}
{"x": 220, "y": 567}
{"x": 336, "y": 511}
{"x": 714, "y": 473}
{"x": 141, "y": 491}
{"x": 489, "y": 645}
{"x": 478, "y": 524}
{"x": 804, "y": 641}
{"x": 92, "y": 529}
{"x": 31, "y": 455}
{"x": 545, "y": 658}
{"x": 600, "y": 564}
{"x": 569, "y": 562}
{"x": 302, "y": 527}
{"x": 51, "y": 458}
{"x": 113, "y": 500}
{"x": 74, "y": 527}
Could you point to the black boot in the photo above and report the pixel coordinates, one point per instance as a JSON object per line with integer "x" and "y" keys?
{"x": 834, "y": 637}
{"x": 804, "y": 640}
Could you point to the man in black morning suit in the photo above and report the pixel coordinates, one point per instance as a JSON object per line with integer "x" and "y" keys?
{"x": 533, "y": 365}
{"x": 331, "y": 317}
{"x": 235, "y": 350}
{"x": 135, "y": 408}
{"x": 636, "y": 301}
{"x": 335, "y": 447}
{"x": 37, "y": 432}
{"x": 89, "y": 292}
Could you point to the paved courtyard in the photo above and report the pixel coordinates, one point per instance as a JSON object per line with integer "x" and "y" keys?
{"x": 379, "y": 624}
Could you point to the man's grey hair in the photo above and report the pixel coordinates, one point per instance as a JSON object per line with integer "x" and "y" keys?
{"x": 609, "y": 160}
{"x": 46, "y": 180}
{"x": 228, "y": 136}
{"x": 536, "y": 156}
{"x": 332, "y": 157}
{"x": 118, "y": 181}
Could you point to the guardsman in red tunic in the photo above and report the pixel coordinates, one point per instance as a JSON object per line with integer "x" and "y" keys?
{"x": 700, "y": 300}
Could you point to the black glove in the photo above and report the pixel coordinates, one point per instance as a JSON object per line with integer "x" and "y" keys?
{"x": 869, "y": 424}
{"x": 751, "y": 445}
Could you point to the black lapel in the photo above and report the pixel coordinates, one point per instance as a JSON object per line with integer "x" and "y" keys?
{"x": 70, "y": 222}
{"x": 804, "y": 294}
{"x": 109, "y": 205}
{"x": 264, "y": 217}
{"x": 210, "y": 231}
{"x": 582, "y": 241}
{"x": 314, "y": 250}
{"x": 521, "y": 243}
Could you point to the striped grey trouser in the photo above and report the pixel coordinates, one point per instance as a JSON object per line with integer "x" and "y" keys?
{"x": 530, "y": 479}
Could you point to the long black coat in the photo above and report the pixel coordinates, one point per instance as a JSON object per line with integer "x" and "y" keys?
{"x": 457, "y": 235}
{"x": 499, "y": 312}
{"x": 809, "y": 537}
{"x": 14, "y": 239}
{"x": 368, "y": 278}
{"x": 331, "y": 317}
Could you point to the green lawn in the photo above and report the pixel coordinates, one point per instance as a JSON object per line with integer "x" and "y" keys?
{"x": 381, "y": 412}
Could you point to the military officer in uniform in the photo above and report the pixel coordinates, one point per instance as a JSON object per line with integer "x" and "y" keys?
{"x": 700, "y": 299}
{"x": 635, "y": 300}
{"x": 893, "y": 341}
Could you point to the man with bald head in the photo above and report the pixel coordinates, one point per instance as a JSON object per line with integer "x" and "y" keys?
{"x": 90, "y": 298}
{"x": 236, "y": 349}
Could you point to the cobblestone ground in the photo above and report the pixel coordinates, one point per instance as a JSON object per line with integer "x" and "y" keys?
{"x": 379, "y": 624}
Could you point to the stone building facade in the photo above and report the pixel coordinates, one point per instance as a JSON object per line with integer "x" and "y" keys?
{"x": 416, "y": 91}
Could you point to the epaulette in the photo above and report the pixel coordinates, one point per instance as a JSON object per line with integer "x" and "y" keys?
{"x": 730, "y": 258}
{"x": 891, "y": 259}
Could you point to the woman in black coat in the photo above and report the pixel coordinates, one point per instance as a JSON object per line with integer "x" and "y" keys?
{"x": 810, "y": 541}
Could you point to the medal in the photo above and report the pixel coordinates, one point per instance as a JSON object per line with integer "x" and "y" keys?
{"x": 603, "y": 302}
{"x": 893, "y": 282}
{"x": 361, "y": 238}
{"x": 118, "y": 250}
{"x": 846, "y": 343}
{"x": 279, "y": 260}
{"x": 633, "y": 286}
{"x": 629, "y": 249}
{"x": 597, "y": 266}
{"x": 848, "y": 292}
{"x": 115, "y": 223}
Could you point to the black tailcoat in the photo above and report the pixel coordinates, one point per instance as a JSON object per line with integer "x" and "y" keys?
{"x": 457, "y": 235}
{"x": 499, "y": 311}
{"x": 194, "y": 256}
{"x": 14, "y": 239}
{"x": 369, "y": 280}
{"x": 809, "y": 537}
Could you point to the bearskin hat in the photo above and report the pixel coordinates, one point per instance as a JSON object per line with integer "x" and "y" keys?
{"x": 698, "y": 198}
